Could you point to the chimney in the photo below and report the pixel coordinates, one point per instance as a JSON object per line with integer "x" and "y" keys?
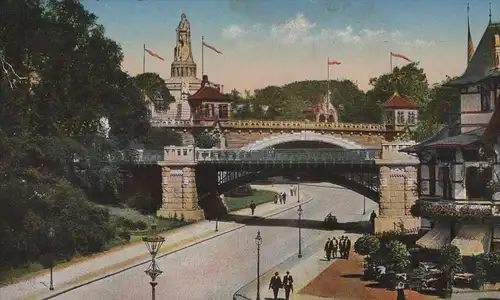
{"x": 204, "y": 81}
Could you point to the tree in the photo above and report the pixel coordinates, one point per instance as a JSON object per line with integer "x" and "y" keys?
{"x": 443, "y": 100}
{"x": 396, "y": 257}
{"x": 206, "y": 141}
{"x": 450, "y": 262}
{"x": 158, "y": 138}
{"x": 367, "y": 245}
{"x": 154, "y": 87}
{"x": 409, "y": 81}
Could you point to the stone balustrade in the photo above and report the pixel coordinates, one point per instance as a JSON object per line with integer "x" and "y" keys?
{"x": 179, "y": 154}
{"x": 160, "y": 122}
{"x": 303, "y": 125}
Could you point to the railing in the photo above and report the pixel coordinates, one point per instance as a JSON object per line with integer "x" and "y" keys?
{"x": 147, "y": 156}
{"x": 300, "y": 125}
{"x": 285, "y": 155}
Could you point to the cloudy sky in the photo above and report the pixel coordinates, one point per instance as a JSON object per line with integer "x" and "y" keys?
{"x": 274, "y": 42}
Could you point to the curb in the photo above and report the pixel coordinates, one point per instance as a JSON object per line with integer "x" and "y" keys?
{"x": 288, "y": 263}
{"x": 165, "y": 254}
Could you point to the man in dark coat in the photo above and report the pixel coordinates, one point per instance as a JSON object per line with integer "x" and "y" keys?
{"x": 373, "y": 215}
{"x": 347, "y": 247}
{"x": 288, "y": 284}
{"x": 328, "y": 249}
{"x": 275, "y": 284}
{"x": 341, "y": 246}
{"x": 252, "y": 207}
{"x": 284, "y": 198}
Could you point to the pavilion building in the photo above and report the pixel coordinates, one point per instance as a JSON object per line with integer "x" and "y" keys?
{"x": 458, "y": 180}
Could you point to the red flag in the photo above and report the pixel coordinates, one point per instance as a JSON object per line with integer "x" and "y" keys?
{"x": 335, "y": 62}
{"x": 153, "y": 54}
{"x": 211, "y": 47}
{"x": 400, "y": 56}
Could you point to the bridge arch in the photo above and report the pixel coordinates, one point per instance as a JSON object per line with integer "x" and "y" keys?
{"x": 309, "y": 136}
{"x": 357, "y": 186}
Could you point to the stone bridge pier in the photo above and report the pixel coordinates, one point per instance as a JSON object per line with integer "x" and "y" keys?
{"x": 398, "y": 188}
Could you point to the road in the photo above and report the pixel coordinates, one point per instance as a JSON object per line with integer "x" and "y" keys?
{"x": 215, "y": 269}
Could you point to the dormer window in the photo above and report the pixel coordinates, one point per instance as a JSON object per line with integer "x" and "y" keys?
{"x": 389, "y": 117}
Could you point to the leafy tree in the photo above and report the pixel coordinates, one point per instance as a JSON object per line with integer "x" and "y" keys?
{"x": 409, "y": 81}
{"x": 396, "y": 257}
{"x": 443, "y": 100}
{"x": 367, "y": 245}
{"x": 154, "y": 87}
{"x": 206, "y": 141}
{"x": 158, "y": 138}
{"x": 450, "y": 261}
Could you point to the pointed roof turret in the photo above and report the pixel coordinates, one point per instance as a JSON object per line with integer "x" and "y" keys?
{"x": 398, "y": 102}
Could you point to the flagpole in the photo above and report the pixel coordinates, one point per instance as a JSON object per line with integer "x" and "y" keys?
{"x": 202, "y": 65}
{"x": 144, "y": 59}
{"x": 328, "y": 78}
{"x": 390, "y": 59}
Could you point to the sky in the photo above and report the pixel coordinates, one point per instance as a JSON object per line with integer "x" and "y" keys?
{"x": 275, "y": 42}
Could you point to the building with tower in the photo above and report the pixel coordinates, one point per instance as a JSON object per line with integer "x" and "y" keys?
{"x": 459, "y": 176}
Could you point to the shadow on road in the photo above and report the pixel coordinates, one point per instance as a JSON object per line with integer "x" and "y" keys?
{"x": 350, "y": 227}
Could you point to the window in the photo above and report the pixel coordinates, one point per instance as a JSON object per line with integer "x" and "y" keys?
{"x": 412, "y": 117}
{"x": 401, "y": 117}
{"x": 389, "y": 117}
{"x": 223, "y": 111}
{"x": 485, "y": 99}
{"x": 476, "y": 180}
{"x": 206, "y": 110}
{"x": 445, "y": 182}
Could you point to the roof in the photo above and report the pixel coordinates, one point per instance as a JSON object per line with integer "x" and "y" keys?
{"x": 480, "y": 66}
{"x": 493, "y": 127}
{"x": 209, "y": 93}
{"x": 456, "y": 141}
{"x": 396, "y": 101}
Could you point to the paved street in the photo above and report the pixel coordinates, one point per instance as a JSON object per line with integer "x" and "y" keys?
{"x": 217, "y": 268}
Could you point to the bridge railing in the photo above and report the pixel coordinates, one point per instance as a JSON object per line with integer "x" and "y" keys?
{"x": 286, "y": 155}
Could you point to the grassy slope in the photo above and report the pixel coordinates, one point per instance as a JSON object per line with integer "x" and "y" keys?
{"x": 258, "y": 196}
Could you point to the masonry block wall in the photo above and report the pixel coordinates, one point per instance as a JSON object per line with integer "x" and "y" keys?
{"x": 398, "y": 188}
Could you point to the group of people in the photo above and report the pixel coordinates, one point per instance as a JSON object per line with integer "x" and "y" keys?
{"x": 281, "y": 197}
{"x": 343, "y": 246}
{"x": 293, "y": 190}
{"x": 276, "y": 284}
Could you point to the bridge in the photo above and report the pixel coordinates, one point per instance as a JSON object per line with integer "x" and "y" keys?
{"x": 192, "y": 178}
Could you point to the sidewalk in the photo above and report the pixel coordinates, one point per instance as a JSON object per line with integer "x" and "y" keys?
{"x": 303, "y": 270}
{"x": 115, "y": 261}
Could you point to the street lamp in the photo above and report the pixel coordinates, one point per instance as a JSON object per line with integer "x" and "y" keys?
{"x": 298, "y": 189}
{"x": 258, "y": 241}
{"x": 364, "y": 205}
{"x": 153, "y": 243}
{"x": 216, "y": 224}
{"x": 51, "y": 233}
{"x": 299, "y": 212}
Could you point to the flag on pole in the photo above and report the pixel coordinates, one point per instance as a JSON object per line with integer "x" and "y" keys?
{"x": 152, "y": 53}
{"x": 400, "y": 56}
{"x": 211, "y": 47}
{"x": 334, "y": 62}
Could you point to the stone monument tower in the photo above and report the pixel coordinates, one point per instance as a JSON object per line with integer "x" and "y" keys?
{"x": 182, "y": 81}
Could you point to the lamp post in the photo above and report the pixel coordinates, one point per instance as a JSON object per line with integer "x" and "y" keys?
{"x": 216, "y": 224}
{"x": 364, "y": 205}
{"x": 298, "y": 189}
{"x": 299, "y": 212}
{"x": 153, "y": 243}
{"x": 51, "y": 233}
{"x": 258, "y": 241}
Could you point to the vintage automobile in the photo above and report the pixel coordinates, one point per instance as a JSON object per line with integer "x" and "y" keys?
{"x": 330, "y": 221}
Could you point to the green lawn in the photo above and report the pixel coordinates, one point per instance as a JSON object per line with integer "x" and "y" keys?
{"x": 258, "y": 196}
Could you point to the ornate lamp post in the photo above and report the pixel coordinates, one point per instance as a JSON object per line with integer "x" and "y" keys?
{"x": 51, "y": 233}
{"x": 299, "y": 212}
{"x": 258, "y": 241}
{"x": 298, "y": 189}
{"x": 153, "y": 243}
{"x": 216, "y": 224}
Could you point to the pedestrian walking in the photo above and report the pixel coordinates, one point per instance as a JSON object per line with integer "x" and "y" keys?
{"x": 291, "y": 190}
{"x": 276, "y": 198}
{"x": 342, "y": 247}
{"x": 295, "y": 190}
{"x": 335, "y": 247}
{"x": 347, "y": 247}
{"x": 275, "y": 284}
{"x": 252, "y": 207}
{"x": 373, "y": 216}
{"x": 400, "y": 289}
{"x": 288, "y": 284}
{"x": 281, "y": 198}
{"x": 328, "y": 249}
{"x": 284, "y": 198}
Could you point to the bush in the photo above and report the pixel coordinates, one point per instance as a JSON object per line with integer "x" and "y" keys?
{"x": 491, "y": 266}
{"x": 367, "y": 245}
{"x": 396, "y": 257}
{"x": 124, "y": 235}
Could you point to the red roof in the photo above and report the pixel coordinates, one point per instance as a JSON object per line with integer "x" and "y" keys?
{"x": 209, "y": 93}
{"x": 396, "y": 101}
